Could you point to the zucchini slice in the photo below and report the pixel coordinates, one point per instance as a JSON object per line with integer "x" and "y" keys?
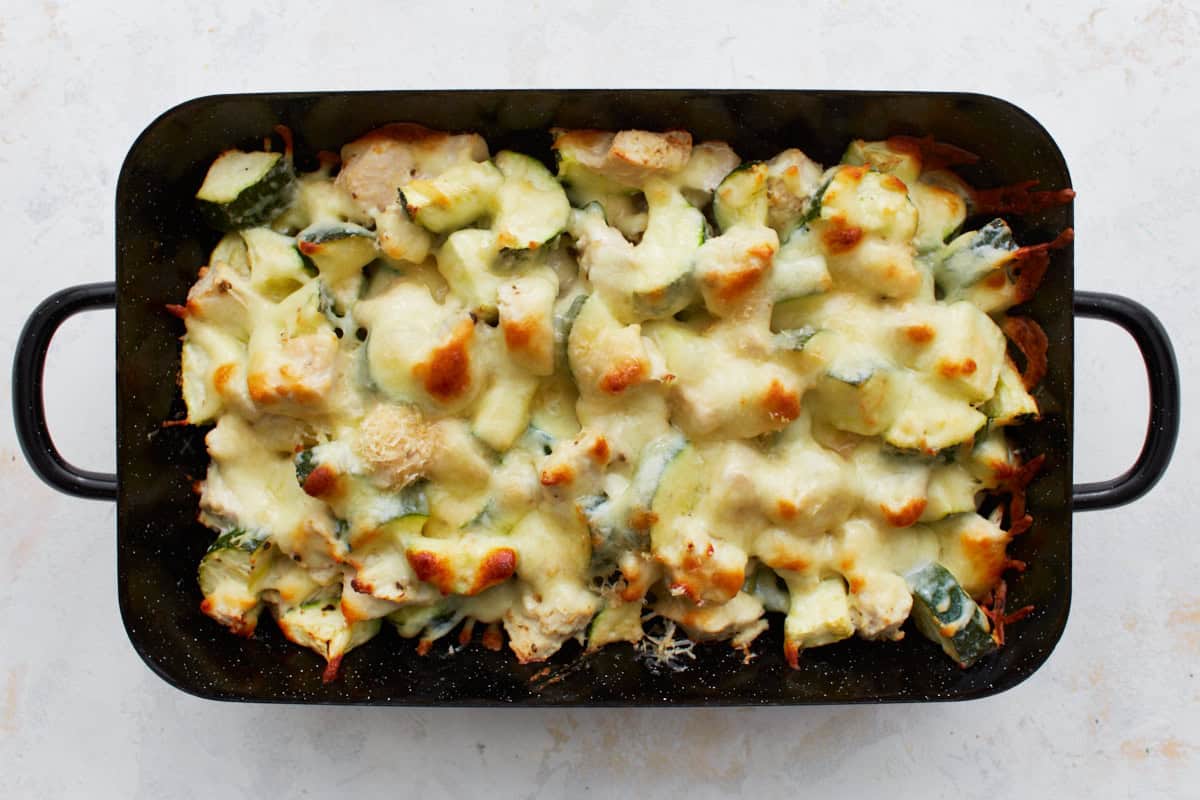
{"x": 940, "y": 213}
{"x": 465, "y": 261}
{"x": 338, "y": 249}
{"x": 885, "y": 156}
{"x": 276, "y": 267}
{"x": 666, "y": 255}
{"x": 320, "y": 626}
{"x": 227, "y": 577}
{"x": 454, "y": 199}
{"x": 616, "y": 622}
{"x": 430, "y": 622}
{"x": 928, "y": 418}
{"x": 563, "y": 322}
{"x": 623, "y": 523}
{"x": 681, "y": 483}
{"x": 947, "y": 615}
{"x": 232, "y": 252}
{"x": 798, "y": 269}
{"x": 952, "y": 489}
{"x": 741, "y": 199}
{"x": 707, "y": 166}
{"x": 242, "y": 189}
{"x": 502, "y": 414}
{"x": 400, "y": 238}
{"x": 531, "y": 206}
{"x": 818, "y": 614}
{"x": 770, "y": 590}
{"x": 973, "y": 256}
{"x": 858, "y": 392}
{"x": 1011, "y": 403}
{"x": 346, "y": 485}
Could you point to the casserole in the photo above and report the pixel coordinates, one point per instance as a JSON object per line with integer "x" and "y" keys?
{"x": 160, "y": 239}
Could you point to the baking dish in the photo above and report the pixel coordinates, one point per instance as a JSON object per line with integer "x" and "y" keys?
{"x": 161, "y": 241}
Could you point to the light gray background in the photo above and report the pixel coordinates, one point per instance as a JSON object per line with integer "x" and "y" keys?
{"x": 1112, "y": 714}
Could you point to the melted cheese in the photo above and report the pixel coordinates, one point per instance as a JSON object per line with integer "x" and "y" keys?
{"x": 527, "y": 437}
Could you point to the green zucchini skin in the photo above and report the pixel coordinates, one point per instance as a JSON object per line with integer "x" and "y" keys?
{"x": 562, "y": 328}
{"x": 532, "y": 207}
{"x": 616, "y": 524}
{"x": 741, "y": 198}
{"x": 265, "y": 198}
{"x": 945, "y": 614}
{"x": 454, "y": 199}
{"x": 338, "y": 250}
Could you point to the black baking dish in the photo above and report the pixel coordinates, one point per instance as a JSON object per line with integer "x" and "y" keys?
{"x": 161, "y": 241}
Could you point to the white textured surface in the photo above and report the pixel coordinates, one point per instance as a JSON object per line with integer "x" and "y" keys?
{"x": 1114, "y": 713}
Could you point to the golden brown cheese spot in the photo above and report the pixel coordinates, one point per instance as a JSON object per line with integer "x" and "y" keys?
{"x": 789, "y": 561}
{"x": 700, "y": 575}
{"x": 447, "y": 373}
{"x": 432, "y": 568}
{"x": 919, "y": 334}
{"x": 239, "y": 627}
{"x": 627, "y": 372}
{"x": 730, "y": 285}
{"x": 955, "y": 369}
{"x": 518, "y": 332}
{"x": 855, "y": 584}
{"x": 907, "y": 514}
{"x": 222, "y": 375}
{"x": 854, "y": 174}
{"x": 638, "y": 575}
{"x": 996, "y": 280}
{"x": 361, "y": 586}
{"x": 781, "y": 404}
{"x": 787, "y": 509}
{"x": 349, "y": 613}
{"x": 987, "y": 555}
{"x": 321, "y": 482}
{"x": 599, "y": 451}
{"x": 259, "y": 388}
{"x": 893, "y": 183}
{"x": 558, "y": 475}
{"x": 839, "y": 237}
{"x": 497, "y": 566}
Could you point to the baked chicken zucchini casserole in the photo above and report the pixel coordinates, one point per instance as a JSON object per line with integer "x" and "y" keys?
{"x": 647, "y": 399}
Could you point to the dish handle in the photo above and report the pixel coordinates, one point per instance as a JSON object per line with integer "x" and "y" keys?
{"x": 29, "y": 407}
{"x": 1163, "y": 427}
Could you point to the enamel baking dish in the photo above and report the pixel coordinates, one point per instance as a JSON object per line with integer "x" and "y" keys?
{"x": 161, "y": 241}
